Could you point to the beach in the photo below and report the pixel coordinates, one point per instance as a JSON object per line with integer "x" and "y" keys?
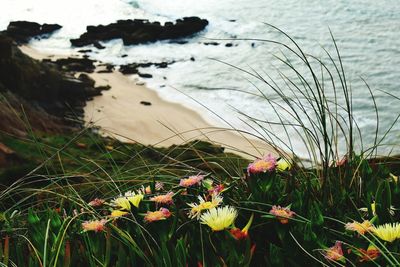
{"x": 119, "y": 113}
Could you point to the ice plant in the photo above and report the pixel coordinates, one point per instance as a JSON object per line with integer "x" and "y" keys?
{"x": 95, "y": 225}
{"x": 121, "y": 203}
{"x": 203, "y": 205}
{"x": 191, "y": 180}
{"x": 282, "y": 214}
{"x": 282, "y": 165}
{"x": 361, "y": 228}
{"x": 372, "y": 253}
{"x": 118, "y": 213}
{"x": 219, "y": 219}
{"x": 134, "y": 198}
{"x": 216, "y": 189}
{"x": 163, "y": 199}
{"x": 242, "y": 234}
{"x": 152, "y": 216}
{"x": 265, "y": 164}
{"x": 97, "y": 202}
{"x": 335, "y": 253}
{"x": 387, "y": 232}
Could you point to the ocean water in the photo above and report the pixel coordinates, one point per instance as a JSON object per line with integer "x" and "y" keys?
{"x": 367, "y": 33}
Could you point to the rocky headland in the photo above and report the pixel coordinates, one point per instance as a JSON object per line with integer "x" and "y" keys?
{"x": 140, "y": 31}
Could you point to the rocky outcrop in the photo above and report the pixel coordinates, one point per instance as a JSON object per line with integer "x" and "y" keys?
{"x": 133, "y": 68}
{"x": 74, "y": 64}
{"x": 44, "y": 88}
{"x": 23, "y": 31}
{"x": 140, "y": 31}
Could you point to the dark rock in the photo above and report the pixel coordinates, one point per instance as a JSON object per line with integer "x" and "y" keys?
{"x": 129, "y": 69}
{"x": 192, "y": 59}
{"x": 76, "y": 64}
{"x": 133, "y": 67}
{"x": 140, "y": 31}
{"x": 103, "y": 88}
{"x": 49, "y": 28}
{"x": 178, "y": 42}
{"x": 23, "y": 31}
{"x": 85, "y": 50}
{"x": 211, "y": 43}
{"x": 109, "y": 68}
{"x": 229, "y": 45}
{"x": 232, "y": 20}
{"x": 145, "y": 103}
{"x": 98, "y": 45}
{"x": 86, "y": 79}
{"x": 161, "y": 65}
{"x": 42, "y": 85}
{"x": 145, "y": 75}
{"x": 124, "y": 55}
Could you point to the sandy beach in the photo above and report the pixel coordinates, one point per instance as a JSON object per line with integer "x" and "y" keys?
{"x": 119, "y": 113}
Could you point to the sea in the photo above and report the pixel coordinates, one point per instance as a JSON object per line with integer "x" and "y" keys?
{"x": 234, "y": 86}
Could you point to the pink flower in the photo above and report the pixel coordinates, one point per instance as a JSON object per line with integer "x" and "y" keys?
{"x": 335, "y": 253}
{"x": 192, "y": 180}
{"x": 97, "y": 202}
{"x": 265, "y": 164}
{"x": 216, "y": 190}
{"x": 153, "y": 216}
{"x": 163, "y": 199}
{"x": 282, "y": 214}
{"x": 97, "y": 225}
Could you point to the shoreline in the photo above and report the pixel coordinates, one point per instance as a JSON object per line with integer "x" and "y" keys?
{"x": 119, "y": 113}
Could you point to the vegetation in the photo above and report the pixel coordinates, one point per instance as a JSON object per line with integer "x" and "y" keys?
{"x": 93, "y": 201}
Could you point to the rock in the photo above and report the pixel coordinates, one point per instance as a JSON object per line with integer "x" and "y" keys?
{"x": 229, "y": 45}
{"x": 49, "y": 28}
{"x": 124, "y": 55}
{"x": 140, "y": 31}
{"x": 129, "y": 69}
{"x": 75, "y": 64}
{"x": 23, "y": 31}
{"x": 145, "y": 103}
{"x": 211, "y": 43}
{"x": 103, "y": 88}
{"x": 108, "y": 68}
{"x": 86, "y": 79}
{"x": 50, "y": 94}
{"x": 192, "y": 59}
{"x": 132, "y": 68}
{"x": 98, "y": 45}
{"x": 161, "y": 65}
{"x": 145, "y": 75}
{"x": 85, "y": 50}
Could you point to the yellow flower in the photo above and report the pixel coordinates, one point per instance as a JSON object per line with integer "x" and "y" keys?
{"x": 196, "y": 210}
{"x": 361, "y": 228}
{"x": 97, "y": 225}
{"x": 118, "y": 213}
{"x": 219, "y": 219}
{"x": 282, "y": 165}
{"x": 387, "y": 232}
{"x": 121, "y": 203}
{"x": 134, "y": 198}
